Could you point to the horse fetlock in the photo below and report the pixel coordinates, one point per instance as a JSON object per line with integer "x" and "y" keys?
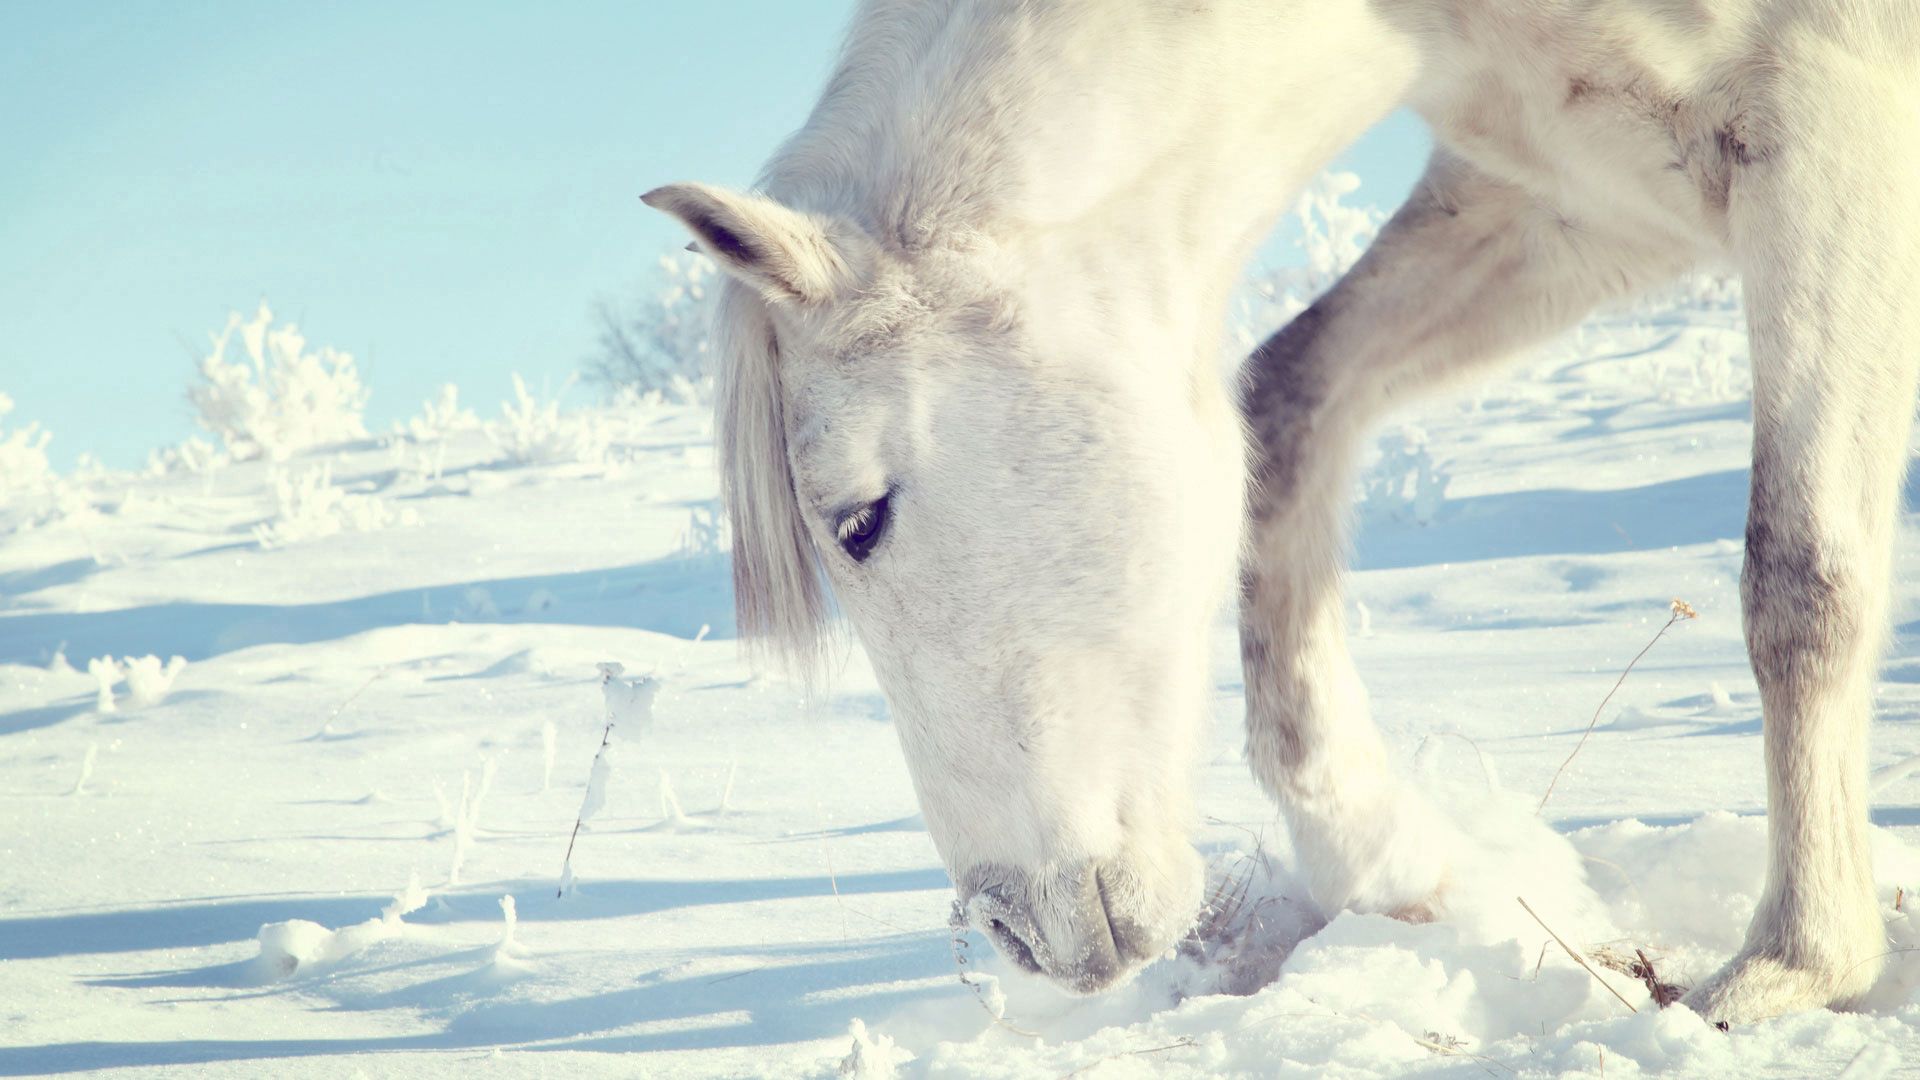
{"x": 1799, "y": 958}
{"x": 1758, "y": 985}
{"x": 1392, "y": 856}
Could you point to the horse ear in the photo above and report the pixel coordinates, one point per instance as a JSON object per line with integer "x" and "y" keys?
{"x": 790, "y": 257}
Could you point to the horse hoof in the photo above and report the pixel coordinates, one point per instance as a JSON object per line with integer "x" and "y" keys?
{"x": 1755, "y": 986}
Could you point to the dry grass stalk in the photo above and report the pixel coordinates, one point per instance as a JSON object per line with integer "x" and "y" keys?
{"x": 1637, "y": 965}
{"x": 1577, "y": 958}
{"x": 1442, "y": 1043}
{"x": 1181, "y": 1043}
{"x": 1228, "y": 898}
{"x": 1681, "y": 610}
{"x": 1663, "y": 993}
{"x": 1450, "y": 1046}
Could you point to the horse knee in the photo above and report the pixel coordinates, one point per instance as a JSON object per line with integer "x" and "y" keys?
{"x": 1812, "y": 589}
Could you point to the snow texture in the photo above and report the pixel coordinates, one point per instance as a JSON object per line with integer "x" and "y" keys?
{"x": 200, "y": 886}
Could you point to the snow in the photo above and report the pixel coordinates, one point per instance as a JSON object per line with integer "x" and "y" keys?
{"x": 327, "y": 840}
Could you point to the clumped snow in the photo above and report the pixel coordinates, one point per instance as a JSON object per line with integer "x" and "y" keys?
{"x": 202, "y": 884}
{"x": 148, "y": 680}
{"x": 299, "y": 947}
{"x": 106, "y": 672}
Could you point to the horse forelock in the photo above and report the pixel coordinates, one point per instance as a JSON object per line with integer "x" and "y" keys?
{"x": 780, "y": 602}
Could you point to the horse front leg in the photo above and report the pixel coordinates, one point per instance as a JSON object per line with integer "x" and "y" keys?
{"x": 1468, "y": 271}
{"x": 1827, "y": 225}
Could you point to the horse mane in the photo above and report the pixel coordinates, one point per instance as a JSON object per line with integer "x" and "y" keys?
{"x": 780, "y": 600}
{"x": 781, "y": 605}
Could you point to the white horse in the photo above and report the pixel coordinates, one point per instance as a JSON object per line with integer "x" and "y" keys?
{"x": 968, "y": 370}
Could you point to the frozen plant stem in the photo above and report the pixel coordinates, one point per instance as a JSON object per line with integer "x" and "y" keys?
{"x": 86, "y": 769}
{"x": 629, "y": 700}
{"x": 566, "y": 863}
{"x": 1681, "y": 610}
{"x": 326, "y": 726}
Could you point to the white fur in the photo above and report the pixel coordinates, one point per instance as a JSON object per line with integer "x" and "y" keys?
{"x": 986, "y": 279}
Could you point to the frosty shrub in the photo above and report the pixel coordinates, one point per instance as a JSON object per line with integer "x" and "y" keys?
{"x": 661, "y": 343}
{"x": 1333, "y": 234}
{"x": 708, "y": 533}
{"x": 1405, "y": 485}
{"x": 1332, "y": 238}
{"x": 532, "y": 432}
{"x": 23, "y": 457}
{"x": 441, "y": 416}
{"x": 196, "y": 456}
{"x": 309, "y": 506}
{"x": 1697, "y": 290}
{"x": 278, "y": 397}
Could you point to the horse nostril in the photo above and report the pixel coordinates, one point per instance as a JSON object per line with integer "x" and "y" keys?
{"x": 1012, "y": 945}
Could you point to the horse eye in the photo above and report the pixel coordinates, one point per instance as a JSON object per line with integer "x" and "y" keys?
{"x": 859, "y": 530}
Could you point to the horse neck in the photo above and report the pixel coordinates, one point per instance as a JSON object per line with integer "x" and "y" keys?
{"x": 1144, "y": 144}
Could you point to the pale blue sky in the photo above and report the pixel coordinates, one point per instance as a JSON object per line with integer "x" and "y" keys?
{"x": 441, "y": 189}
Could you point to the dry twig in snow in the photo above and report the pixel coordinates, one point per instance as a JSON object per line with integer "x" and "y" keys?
{"x": 1681, "y": 610}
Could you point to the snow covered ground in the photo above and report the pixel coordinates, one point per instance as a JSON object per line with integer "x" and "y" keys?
{"x": 293, "y": 860}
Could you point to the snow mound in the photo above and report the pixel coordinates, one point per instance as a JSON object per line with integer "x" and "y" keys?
{"x": 298, "y": 947}
{"x": 1485, "y": 989}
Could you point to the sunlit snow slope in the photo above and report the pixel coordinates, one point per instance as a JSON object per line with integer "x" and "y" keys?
{"x": 390, "y": 678}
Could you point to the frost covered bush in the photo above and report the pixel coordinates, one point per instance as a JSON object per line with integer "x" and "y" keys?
{"x": 1405, "y": 484}
{"x": 196, "y": 456}
{"x": 279, "y": 397}
{"x": 309, "y": 506}
{"x": 662, "y": 344}
{"x": 1698, "y": 290}
{"x": 532, "y": 432}
{"x": 707, "y": 533}
{"x": 441, "y": 416}
{"x": 23, "y": 457}
{"x": 1333, "y": 234}
{"x": 1332, "y": 238}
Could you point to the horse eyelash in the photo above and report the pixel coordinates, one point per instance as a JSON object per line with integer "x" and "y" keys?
{"x": 853, "y": 522}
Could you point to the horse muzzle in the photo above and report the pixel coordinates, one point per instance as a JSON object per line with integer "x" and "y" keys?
{"x": 1087, "y": 928}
